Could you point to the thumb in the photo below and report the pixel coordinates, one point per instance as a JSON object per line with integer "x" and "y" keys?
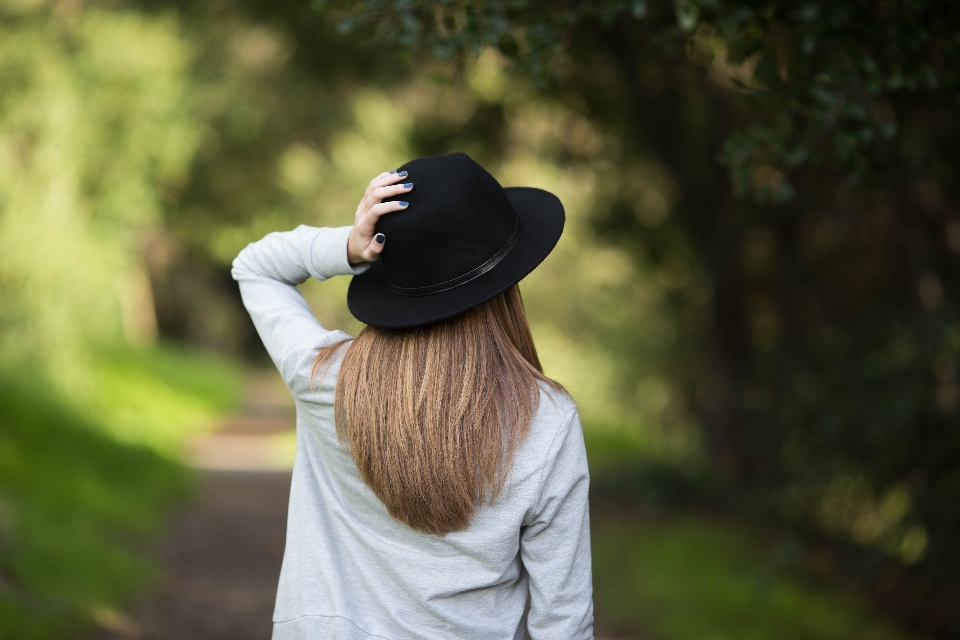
{"x": 376, "y": 245}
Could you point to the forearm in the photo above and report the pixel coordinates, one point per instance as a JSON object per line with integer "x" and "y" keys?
{"x": 290, "y": 257}
{"x": 269, "y": 270}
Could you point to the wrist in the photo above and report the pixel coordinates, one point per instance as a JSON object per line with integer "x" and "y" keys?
{"x": 353, "y": 256}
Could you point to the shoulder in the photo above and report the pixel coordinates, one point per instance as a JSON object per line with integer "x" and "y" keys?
{"x": 557, "y": 450}
{"x": 318, "y": 385}
{"x": 556, "y": 416}
{"x": 555, "y": 405}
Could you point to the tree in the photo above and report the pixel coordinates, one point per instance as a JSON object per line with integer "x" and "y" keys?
{"x": 89, "y": 143}
{"x": 811, "y": 148}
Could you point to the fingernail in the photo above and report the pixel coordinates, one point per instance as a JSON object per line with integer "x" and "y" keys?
{"x": 379, "y": 238}
{"x": 394, "y": 171}
{"x": 403, "y": 204}
{"x": 402, "y": 174}
{"x": 407, "y": 185}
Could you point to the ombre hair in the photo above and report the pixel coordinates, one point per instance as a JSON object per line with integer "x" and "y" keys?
{"x": 433, "y": 415}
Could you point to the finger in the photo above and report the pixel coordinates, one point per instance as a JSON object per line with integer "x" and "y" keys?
{"x": 365, "y": 223}
{"x": 391, "y": 190}
{"x": 383, "y": 208}
{"x": 384, "y": 179}
{"x": 387, "y": 177}
{"x": 376, "y": 245}
{"x": 374, "y": 248}
{"x": 374, "y": 196}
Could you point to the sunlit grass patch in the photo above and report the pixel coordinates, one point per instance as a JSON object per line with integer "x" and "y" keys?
{"x": 696, "y": 578}
{"x": 158, "y": 396}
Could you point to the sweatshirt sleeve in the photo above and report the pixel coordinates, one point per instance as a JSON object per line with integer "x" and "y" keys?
{"x": 268, "y": 272}
{"x": 555, "y": 543}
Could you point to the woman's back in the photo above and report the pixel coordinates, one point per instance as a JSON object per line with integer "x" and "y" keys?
{"x": 351, "y": 570}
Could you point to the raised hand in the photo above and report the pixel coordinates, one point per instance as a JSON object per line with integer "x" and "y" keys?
{"x": 363, "y": 245}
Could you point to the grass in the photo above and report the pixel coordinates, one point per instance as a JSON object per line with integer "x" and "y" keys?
{"x": 157, "y": 397}
{"x": 678, "y": 573}
{"x": 692, "y": 578}
{"x": 77, "y": 493}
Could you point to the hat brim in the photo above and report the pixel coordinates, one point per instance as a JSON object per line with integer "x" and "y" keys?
{"x": 541, "y": 217}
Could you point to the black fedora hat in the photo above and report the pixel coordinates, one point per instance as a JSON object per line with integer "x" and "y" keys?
{"x": 463, "y": 240}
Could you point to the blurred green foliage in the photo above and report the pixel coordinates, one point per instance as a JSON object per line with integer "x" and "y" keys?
{"x": 96, "y": 127}
{"x": 812, "y": 80}
{"x": 756, "y": 293}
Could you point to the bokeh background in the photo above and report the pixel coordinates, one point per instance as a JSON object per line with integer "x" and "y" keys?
{"x": 755, "y": 300}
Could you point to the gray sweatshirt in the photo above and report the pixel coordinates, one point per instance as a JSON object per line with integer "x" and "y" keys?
{"x": 351, "y": 571}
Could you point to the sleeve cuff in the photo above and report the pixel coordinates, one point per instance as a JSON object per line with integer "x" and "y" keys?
{"x": 328, "y": 255}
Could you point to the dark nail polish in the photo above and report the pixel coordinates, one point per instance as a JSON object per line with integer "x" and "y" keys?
{"x": 403, "y": 204}
{"x": 394, "y": 171}
{"x": 379, "y": 238}
{"x": 407, "y": 185}
{"x": 402, "y": 174}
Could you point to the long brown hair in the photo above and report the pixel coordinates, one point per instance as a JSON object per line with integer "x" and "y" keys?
{"x": 433, "y": 415}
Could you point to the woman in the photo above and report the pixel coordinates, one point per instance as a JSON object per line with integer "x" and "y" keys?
{"x": 440, "y": 483}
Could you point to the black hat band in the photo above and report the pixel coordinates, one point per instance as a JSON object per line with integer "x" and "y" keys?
{"x": 462, "y": 279}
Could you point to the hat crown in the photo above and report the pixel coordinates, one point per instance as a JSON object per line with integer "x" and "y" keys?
{"x": 459, "y": 223}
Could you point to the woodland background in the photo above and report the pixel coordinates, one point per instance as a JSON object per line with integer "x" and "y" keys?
{"x": 755, "y": 300}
